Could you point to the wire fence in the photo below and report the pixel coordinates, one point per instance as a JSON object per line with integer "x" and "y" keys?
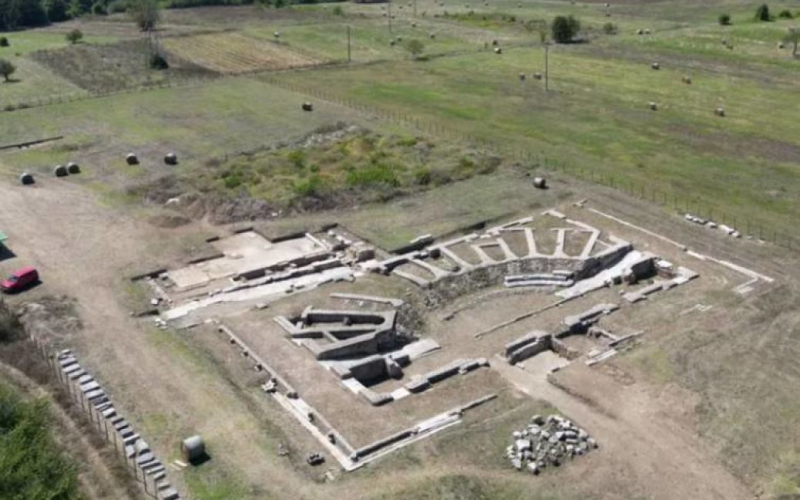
{"x": 683, "y": 203}
{"x": 680, "y": 202}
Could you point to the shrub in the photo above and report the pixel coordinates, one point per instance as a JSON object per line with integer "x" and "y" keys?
{"x": 415, "y": 47}
{"x": 4, "y": 41}
{"x": 338, "y": 11}
{"x": 762, "y": 13}
{"x": 785, "y": 14}
{"x": 725, "y": 19}
{"x": 564, "y": 29}
{"x": 311, "y": 186}
{"x": 74, "y": 36}
{"x": 10, "y": 327}
{"x": 373, "y": 175}
{"x": 423, "y": 176}
{"x": 610, "y": 29}
{"x": 157, "y": 61}
{"x": 6, "y": 69}
{"x": 297, "y": 157}
{"x": 232, "y": 179}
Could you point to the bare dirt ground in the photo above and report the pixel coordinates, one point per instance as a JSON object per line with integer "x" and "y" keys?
{"x": 639, "y": 435}
{"x": 168, "y": 389}
{"x": 85, "y": 250}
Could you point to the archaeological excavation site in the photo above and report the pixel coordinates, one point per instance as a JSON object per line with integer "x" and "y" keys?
{"x": 370, "y": 351}
{"x": 399, "y": 250}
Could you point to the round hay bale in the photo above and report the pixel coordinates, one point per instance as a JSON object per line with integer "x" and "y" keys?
{"x": 413, "y": 25}
{"x": 60, "y": 171}
{"x": 391, "y": 43}
{"x": 277, "y": 34}
{"x": 537, "y": 76}
{"x": 171, "y": 159}
{"x": 307, "y": 106}
{"x": 781, "y": 45}
{"x": 646, "y": 31}
{"x": 193, "y": 449}
{"x": 498, "y": 50}
{"x": 399, "y": 39}
{"x": 433, "y": 35}
{"x": 653, "y": 106}
{"x": 494, "y": 43}
{"x": 655, "y": 66}
{"x": 131, "y": 159}
{"x": 640, "y": 32}
{"x": 720, "y": 111}
{"x": 687, "y": 80}
{"x": 73, "y": 168}
{"x": 522, "y": 77}
{"x": 26, "y": 179}
{"x": 540, "y": 183}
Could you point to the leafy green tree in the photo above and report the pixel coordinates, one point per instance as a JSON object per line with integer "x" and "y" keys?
{"x": 56, "y": 10}
{"x": 762, "y": 13}
{"x": 725, "y": 19}
{"x": 7, "y": 69}
{"x": 565, "y": 29}
{"x": 415, "y": 47}
{"x": 74, "y": 36}
{"x": 785, "y": 14}
{"x": 78, "y": 8}
{"x": 145, "y": 13}
{"x": 22, "y": 13}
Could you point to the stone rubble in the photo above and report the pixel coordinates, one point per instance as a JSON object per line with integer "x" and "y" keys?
{"x": 547, "y": 442}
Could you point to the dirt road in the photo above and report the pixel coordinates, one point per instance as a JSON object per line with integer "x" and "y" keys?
{"x": 84, "y": 249}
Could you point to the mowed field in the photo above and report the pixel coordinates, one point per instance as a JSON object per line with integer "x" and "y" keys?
{"x": 594, "y": 121}
{"x": 232, "y": 53}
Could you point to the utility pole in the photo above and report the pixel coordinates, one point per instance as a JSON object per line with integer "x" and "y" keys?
{"x": 349, "y": 58}
{"x": 546, "y": 67}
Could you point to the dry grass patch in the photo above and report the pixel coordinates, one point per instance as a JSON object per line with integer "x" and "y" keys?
{"x": 235, "y": 53}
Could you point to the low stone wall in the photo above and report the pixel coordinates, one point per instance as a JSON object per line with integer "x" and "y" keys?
{"x": 451, "y": 287}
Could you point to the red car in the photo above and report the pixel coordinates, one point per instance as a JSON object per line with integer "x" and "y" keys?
{"x": 20, "y": 280}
